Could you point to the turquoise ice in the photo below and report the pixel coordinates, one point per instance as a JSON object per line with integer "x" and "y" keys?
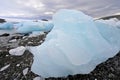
{"x": 6, "y": 26}
{"x": 75, "y": 45}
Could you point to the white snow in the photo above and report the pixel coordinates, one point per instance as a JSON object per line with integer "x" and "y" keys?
{"x": 25, "y": 71}
{"x": 17, "y": 51}
{"x": 75, "y": 45}
{"x": 5, "y": 67}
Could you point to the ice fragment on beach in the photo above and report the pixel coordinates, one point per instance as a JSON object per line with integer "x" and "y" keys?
{"x": 17, "y": 51}
{"x": 5, "y": 67}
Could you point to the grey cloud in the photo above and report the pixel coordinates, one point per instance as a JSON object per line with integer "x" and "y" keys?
{"x": 94, "y": 8}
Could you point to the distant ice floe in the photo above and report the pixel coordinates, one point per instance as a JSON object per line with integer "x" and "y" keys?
{"x": 28, "y": 27}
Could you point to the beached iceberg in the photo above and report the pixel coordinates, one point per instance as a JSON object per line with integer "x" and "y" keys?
{"x": 75, "y": 45}
{"x": 6, "y": 26}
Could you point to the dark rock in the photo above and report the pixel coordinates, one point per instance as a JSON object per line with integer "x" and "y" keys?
{"x": 16, "y": 36}
{"x": 4, "y": 35}
{"x": 111, "y": 75}
{"x": 2, "y": 20}
{"x": 44, "y": 19}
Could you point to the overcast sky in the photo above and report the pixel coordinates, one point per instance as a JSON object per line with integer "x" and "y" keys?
{"x": 34, "y": 8}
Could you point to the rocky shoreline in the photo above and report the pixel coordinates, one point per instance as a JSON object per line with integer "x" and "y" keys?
{"x": 17, "y": 64}
{"x": 19, "y": 67}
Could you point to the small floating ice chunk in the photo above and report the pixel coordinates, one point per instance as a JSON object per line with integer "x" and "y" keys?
{"x": 17, "y": 51}
{"x": 25, "y": 71}
{"x": 5, "y": 67}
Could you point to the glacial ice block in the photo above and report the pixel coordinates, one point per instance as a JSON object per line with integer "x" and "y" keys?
{"x": 74, "y": 46}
